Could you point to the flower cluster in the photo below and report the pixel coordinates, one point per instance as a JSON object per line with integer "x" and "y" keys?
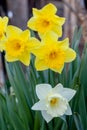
{"x": 50, "y": 53}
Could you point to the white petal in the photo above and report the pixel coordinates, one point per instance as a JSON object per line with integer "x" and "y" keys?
{"x": 46, "y": 116}
{"x": 68, "y": 93}
{"x": 68, "y": 111}
{"x": 39, "y": 105}
{"x": 42, "y": 90}
{"x": 58, "y": 88}
{"x": 65, "y": 92}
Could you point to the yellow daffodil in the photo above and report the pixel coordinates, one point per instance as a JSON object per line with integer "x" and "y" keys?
{"x": 53, "y": 102}
{"x": 45, "y": 19}
{"x": 52, "y": 54}
{"x": 3, "y": 26}
{"x": 19, "y": 45}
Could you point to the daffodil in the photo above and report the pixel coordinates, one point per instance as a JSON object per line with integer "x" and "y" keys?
{"x": 45, "y": 19}
{"x": 19, "y": 45}
{"x": 3, "y": 26}
{"x": 53, "y": 102}
{"x": 52, "y": 54}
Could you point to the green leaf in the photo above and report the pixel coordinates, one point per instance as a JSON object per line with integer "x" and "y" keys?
{"x": 78, "y": 121}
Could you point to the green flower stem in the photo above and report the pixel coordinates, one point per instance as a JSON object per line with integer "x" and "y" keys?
{"x": 37, "y": 121}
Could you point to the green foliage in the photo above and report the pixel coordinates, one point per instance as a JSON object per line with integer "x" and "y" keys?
{"x": 15, "y": 108}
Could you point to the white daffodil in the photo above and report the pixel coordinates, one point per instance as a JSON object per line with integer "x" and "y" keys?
{"x": 53, "y": 102}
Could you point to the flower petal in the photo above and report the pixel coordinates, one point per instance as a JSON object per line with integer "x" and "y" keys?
{"x": 36, "y": 12}
{"x": 46, "y": 116}
{"x": 32, "y": 23}
{"x": 59, "y": 69}
{"x": 68, "y": 93}
{"x": 10, "y": 58}
{"x": 49, "y": 37}
{"x": 68, "y": 111}
{"x": 65, "y": 92}
{"x": 64, "y": 44}
{"x": 13, "y": 30}
{"x": 41, "y": 105}
{"x": 70, "y": 55}
{"x": 25, "y": 59}
{"x": 25, "y": 35}
{"x": 59, "y": 20}
{"x": 58, "y": 30}
{"x": 5, "y": 20}
{"x": 49, "y": 8}
{"x": 58, "y": 88}
{"x": 42, "y": 90}
{"x": 33, "y": 44}
{"x": 40, "y": 65}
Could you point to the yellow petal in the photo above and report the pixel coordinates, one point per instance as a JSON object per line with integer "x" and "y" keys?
{"x": 49, "y": 37}
{"x": 5, "y": 20}
{"x": 40, "y": 51}
{"x": 25, "y": 59}
{"x": 1, "y": 47}
{"x": 59, "y": 70}
{"x": 13, "y": 30}
{"x": 59, "y": 20}
{"x": 70, "y": 55}
{"x": 25, "y": 35}
{"x": 64, "y": 44}
{"x": 2, "y": 44}
{"x": 10, "y": 58}
{"x": 57, "y": 30}
{"x": 33, "y": 44}
{"x": 40, "y": 65}
{"x": 49, "y": 8}
{"x": 36, "y": 12}
{"x": 32, "y": 23}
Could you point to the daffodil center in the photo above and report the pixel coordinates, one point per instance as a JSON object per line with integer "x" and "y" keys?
{"x": 45, "y": 23}
{"x": 53, "y": 55}
{"x": 53, "y": 101}
{"x": 17, "y": 46}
